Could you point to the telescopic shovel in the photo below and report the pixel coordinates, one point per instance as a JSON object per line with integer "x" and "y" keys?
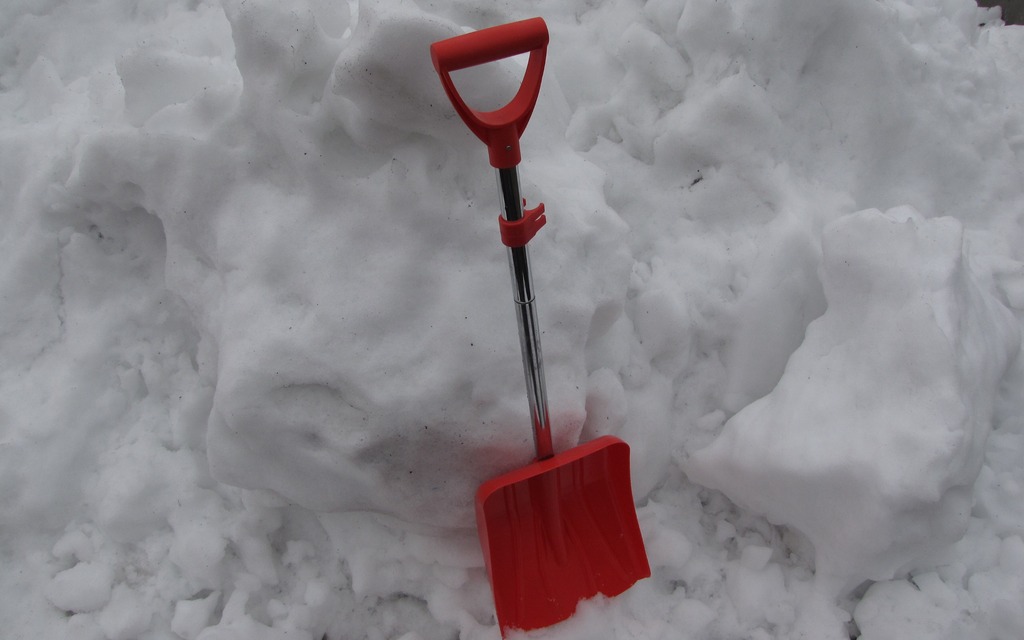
{"x": 564, "y": 527}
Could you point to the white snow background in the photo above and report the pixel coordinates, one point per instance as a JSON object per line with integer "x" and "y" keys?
{"x": 257, "y": 344}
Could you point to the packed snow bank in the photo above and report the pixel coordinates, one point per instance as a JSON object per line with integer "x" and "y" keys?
{"x": 872, "y": 440}
{"x": 344, "y": 268}
{"x": 368, "y": 356}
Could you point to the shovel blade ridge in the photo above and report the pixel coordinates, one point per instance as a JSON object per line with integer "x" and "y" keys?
{"x": 559, "y": 531}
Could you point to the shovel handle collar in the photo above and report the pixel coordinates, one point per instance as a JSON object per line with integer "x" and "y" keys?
{"x": 520, "y": 232}
{"x": 499, "y": 129}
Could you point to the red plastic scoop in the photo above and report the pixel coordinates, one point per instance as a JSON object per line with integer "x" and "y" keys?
{"x": 558, "y": 531}
{"x": 563, "y": 528}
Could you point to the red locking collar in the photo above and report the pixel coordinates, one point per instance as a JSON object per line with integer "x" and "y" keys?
{"x": 518, "y": 233}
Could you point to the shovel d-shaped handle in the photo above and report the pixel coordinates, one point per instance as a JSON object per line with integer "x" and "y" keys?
{"x": 499, "y": 129}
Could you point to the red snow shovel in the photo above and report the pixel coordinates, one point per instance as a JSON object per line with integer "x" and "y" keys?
{"x": 563, "y": 528}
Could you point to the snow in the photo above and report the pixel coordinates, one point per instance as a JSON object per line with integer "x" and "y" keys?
{"x": 258, "y": 346}
{"x": 83, "y": 587}
{"x": 874, "y": 469}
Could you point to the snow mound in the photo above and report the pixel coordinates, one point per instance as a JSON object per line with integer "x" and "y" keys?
{"x": 873, "y": 438}
{"x": 366, "y": 349}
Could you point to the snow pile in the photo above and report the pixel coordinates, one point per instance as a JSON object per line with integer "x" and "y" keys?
{"x": 873, "y": 438}
{"x": 363, "y": 358}
{"x": 349, "y": 304}
{"x": 258, "y": 345}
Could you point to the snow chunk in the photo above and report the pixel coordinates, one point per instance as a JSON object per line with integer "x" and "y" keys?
{"x": 84, "y": 587}
{"x": 126, "y": 617}
{"x": 192, "y": 616}
{"x": 758, "y": 589}
{"x": 873, "y": 438}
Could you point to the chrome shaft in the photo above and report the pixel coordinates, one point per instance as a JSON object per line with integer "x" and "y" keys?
{"x": 526, "y": 315}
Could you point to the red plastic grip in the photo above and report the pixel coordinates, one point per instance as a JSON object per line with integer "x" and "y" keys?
{"x": 499, "y": 129}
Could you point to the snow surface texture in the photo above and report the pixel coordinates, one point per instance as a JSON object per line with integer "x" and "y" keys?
{"x": 258, "y": 345}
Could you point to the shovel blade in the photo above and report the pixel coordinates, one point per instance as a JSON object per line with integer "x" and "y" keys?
{"x": 559, "y": 531}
